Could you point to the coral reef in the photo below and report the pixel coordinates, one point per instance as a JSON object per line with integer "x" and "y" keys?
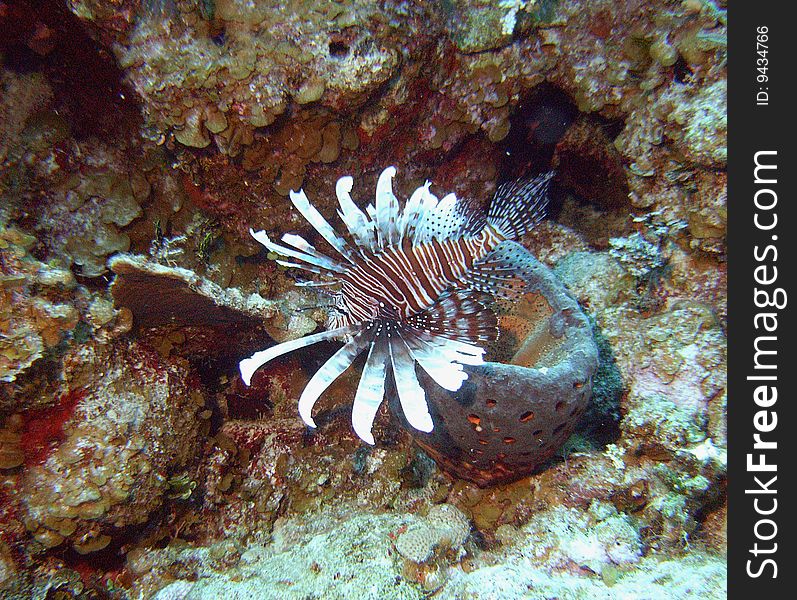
{"x": 122, "y": 429}
{"x": 164, "y": 129}
{"x": 35, "y": 310}
{"x": 601, "y": 547}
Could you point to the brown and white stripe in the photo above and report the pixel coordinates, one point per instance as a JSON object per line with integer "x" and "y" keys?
{"x": 405, "y": 280}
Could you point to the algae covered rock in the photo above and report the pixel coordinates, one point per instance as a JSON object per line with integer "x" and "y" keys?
{"x": 96, "y": 461}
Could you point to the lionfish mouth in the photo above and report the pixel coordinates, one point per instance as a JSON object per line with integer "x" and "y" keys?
{"x": 433, "y": 269}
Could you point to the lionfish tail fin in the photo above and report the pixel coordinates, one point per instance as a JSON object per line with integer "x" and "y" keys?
{"x": 459, "y": 315}
{"x": 519, "y": 205}
{"x": 501, "y": 273}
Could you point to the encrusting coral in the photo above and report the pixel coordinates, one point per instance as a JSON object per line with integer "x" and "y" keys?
{"x": 100, "y": 467}
{"x": 125, "y": 431}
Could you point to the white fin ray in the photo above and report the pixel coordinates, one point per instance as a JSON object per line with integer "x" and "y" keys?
{"x": 387, "y": 210}
{"x": 414, "y": 210}
{"x": 448, "y": 374}
{"x": 321, "y": 225}
{"x": 303, "y": 245}
{"x": 313, "y": 283}
{"x": 411, "y": 395}
{"x": 370, "y": 391}
{"x": 248, "y": 366}
{"x": 428, "y": 205}
{"x": 319, "y": 261}
{"x": 329, "y": 372}
{"x": 453, "y": 350}
{"x": 293, "y": 265}
{"x": 361, "y": 228}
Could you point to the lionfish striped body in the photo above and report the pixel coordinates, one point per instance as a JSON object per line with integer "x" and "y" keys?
{"x": 416, "y": 289}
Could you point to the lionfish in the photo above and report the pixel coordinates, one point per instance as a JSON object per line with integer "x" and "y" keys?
{"x": 416, "y": 288}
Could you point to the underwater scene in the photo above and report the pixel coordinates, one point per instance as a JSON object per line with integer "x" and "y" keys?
{"x": 363, "y": 299}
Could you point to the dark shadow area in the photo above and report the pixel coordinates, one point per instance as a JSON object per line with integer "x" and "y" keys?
{"x": 536, "y": 126}
{"x": 44, "y": 36}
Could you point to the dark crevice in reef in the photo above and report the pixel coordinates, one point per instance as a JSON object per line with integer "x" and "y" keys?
{"x": 94, "y": 567}
{"x": 681, "y": 71}
{"x": 536, "y": 126}
{"x": 715, "y": 501}
{"x": 44, "y": 36}
{"x": 600, "y": 423}
{"x": 548, "y": 132}
{"x": 589, "y": 166}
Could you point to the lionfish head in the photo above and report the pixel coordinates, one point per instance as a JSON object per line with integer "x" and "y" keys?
{"x": 338, "y": 311}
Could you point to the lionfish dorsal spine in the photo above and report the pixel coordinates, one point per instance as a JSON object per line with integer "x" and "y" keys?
{"x": 387, "y": 209}
{"x": 318, "y": 260}
{"x": 414, "y": 210}
{"x": 320, "y": 224}
{"x": 360, "y": 227}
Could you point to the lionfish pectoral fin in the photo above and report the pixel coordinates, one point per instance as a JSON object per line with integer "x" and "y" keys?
{"x": 463, "y": 315}
{"x": 370, "y": 391}
{"x": 449, "y": 334}
{"x": 410, "y": 393}
{"x": 248, "y": 366}
{"x": 447, "y": 374}
{"x": 329, "y": 372}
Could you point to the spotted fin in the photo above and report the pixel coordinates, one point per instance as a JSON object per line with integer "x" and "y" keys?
{"x": 450, "y": 218}
{"x": 500, "y": 273}
{"x": 519, "y": 205}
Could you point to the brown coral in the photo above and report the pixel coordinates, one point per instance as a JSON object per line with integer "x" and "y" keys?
{"x": 129, "y": 424}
